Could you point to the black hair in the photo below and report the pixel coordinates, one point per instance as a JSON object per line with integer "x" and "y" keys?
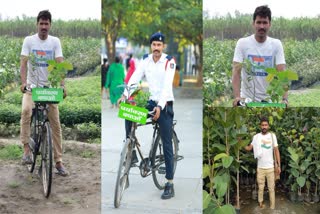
{"x": 117, "y": 59}
{"x": 264, "y": 119}
{"x": 177, "y": 67}
{"x": 105, "y": 60}
{"x": 262, "y": 11}
{"x": 45, "y": 15}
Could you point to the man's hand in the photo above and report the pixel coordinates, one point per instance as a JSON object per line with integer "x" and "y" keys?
{"x": 64, "y": 92}
{"x": 278, "y": 170}
{"x": 22, "y": 87}
{"x": 235, "y": 101}
{"x": 121, "y": 99}
{"x": 157, "y": 111}
{"x": 285, "y": 101}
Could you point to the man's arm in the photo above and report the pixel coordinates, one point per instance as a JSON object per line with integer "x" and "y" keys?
{"x": 278, "y": 161}
{"x": 236, "y": 73}
{"x": 23, "y": 72}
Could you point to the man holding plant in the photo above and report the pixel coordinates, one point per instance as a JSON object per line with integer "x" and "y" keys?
{"x": 43, "y": 47}
{"x": 265, "y": 147}
{"x": 262, "y": 52}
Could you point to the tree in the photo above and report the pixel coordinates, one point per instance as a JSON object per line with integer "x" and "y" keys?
{"x": 137, "y": 20}
{"x": 125, "y": 18}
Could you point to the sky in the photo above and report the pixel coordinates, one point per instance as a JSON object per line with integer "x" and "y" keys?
{"x": 285, "y": 8}
{"x": 60, "y": 9}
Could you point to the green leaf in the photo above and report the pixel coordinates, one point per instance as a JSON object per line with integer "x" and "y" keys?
{"x": 245, "y": 169}
{"x": 227, "y": 161}
{"x": 295, "y": 172}
{"x": 206, "y": 198}
{"x": 219, "y": 146}
{"x": 301, "y": 181}
{"x": 219, "y": 156}
{"x": 220, "y": 185}
{"x": 205, "y": 170}
{"x": 293, "y": 155}
{"x": 225, "y": 209}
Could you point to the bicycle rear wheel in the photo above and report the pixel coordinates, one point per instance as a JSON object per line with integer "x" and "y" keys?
{"x": 123, "y": 172}
{"x": 33, "y": 141}
{"x": 157, "y": 161}
{"x": 46, "y": 159}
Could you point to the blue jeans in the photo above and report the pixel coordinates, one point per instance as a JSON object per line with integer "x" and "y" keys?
{"x": 165, "y": 122}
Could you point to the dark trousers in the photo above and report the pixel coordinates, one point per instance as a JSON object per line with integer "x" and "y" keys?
{"x": 165, "y": 124}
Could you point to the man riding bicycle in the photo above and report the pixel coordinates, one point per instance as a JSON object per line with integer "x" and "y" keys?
{"x": 159, "y": 69}
{"x": 44, "y": 47}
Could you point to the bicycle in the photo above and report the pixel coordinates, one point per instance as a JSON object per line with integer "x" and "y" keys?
{"x": 41, "y": 142}
{"x": 153, "y": 164}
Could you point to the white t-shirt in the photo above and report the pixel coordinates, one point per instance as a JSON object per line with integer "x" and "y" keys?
{"x": 43, "y": 50}
{"x": 267, "y": 54}
{"x": 263, "y": 144}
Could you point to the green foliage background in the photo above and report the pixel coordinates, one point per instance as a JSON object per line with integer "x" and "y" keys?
{"x": 227, "y": 130}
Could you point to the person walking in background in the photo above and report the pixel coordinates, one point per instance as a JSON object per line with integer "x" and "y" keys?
{"x": 265, "y": 149}
{"x": 131, "y": 67}
{"x": 115, "y": 78}
{"x": 104, "y": 71}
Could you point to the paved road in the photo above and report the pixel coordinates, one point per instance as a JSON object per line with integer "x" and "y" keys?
{"x": 142, "y": 196}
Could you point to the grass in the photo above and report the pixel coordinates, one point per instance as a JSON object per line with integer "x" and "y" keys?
{"x": 13, "y": 184}
{"x": 306, "y": 98}
{"x": 10, "y": 152}
{"x": 87, "y": 154}
{"x": 297, "y": 98}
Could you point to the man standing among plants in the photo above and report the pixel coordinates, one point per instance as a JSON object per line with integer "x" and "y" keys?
{"x": 263, "y": 52}
{"x": 43, "y": 47}
{"x": 265, "y": 147}
{"x": 159, "y": 69}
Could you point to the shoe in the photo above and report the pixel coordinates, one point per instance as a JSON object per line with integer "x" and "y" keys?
{"x": 168, "y": 191}
{"x": 26, "y": 159}
{"x": 134, "y": 158}
{"x": 62, "y": 171}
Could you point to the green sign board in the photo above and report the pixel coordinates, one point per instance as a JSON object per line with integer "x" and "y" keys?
{"x": 47, "y": 94}
{"x": 258, "y": 104}
{"x": 133, "y": 113}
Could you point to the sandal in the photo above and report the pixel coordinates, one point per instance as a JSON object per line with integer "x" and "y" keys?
{"x": 62, "y": 171}
{"x": 26, "y": 159}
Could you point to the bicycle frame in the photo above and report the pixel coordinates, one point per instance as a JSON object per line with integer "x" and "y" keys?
{"x": 41, "y": 116}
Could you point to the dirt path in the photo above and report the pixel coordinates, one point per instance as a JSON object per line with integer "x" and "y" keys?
{"x": 21, "y": 191}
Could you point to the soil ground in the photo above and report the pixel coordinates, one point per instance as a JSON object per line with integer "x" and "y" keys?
{"x": 21, "y": 191}
{"x": 283, "y": 204}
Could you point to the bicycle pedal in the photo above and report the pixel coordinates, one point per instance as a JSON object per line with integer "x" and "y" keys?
{"x": 162, "y": 170}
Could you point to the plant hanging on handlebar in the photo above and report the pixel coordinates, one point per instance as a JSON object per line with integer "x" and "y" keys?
{"x": 58, "y": 71}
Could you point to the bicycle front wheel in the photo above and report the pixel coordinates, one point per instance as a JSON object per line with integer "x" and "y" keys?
{"x": 33, "y": 141}
{"x": 46, "y": 159}
{"x": 122, "y": 182}
{"x": 158, "y": 163}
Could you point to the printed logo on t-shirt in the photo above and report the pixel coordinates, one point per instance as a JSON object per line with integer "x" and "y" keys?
{"x": 260, "y": 63}
{"x": 41, "y": 57}
{"x": 265, "y": 143}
